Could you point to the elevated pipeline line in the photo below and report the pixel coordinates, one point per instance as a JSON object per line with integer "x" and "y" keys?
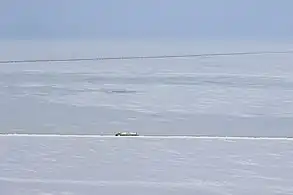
{"x": 145, "y": 57}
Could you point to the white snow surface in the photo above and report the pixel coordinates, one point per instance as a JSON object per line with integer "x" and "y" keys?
{"x": 91, "y": 165}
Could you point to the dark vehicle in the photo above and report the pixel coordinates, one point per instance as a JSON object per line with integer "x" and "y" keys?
{"x": 126, "y": 134}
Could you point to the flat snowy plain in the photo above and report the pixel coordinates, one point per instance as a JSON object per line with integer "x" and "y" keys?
{"x": 90, "y": 165}
{"x": 209, "y": 96}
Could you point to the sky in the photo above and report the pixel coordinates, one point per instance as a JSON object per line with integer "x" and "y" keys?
{"x": 180, "y": 19}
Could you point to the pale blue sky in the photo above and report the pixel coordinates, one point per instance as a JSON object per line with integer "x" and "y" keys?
{"x": 198, "y": 19}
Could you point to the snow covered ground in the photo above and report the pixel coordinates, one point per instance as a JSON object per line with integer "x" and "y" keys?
{"x": 210, "y": 96}
{"x": 91, "y": 165}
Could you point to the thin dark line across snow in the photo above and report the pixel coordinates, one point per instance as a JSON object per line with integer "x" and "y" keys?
{"x": 145, "y": 57}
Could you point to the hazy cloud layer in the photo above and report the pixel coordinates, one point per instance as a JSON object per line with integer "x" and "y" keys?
{"x": 146, "y": 18}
